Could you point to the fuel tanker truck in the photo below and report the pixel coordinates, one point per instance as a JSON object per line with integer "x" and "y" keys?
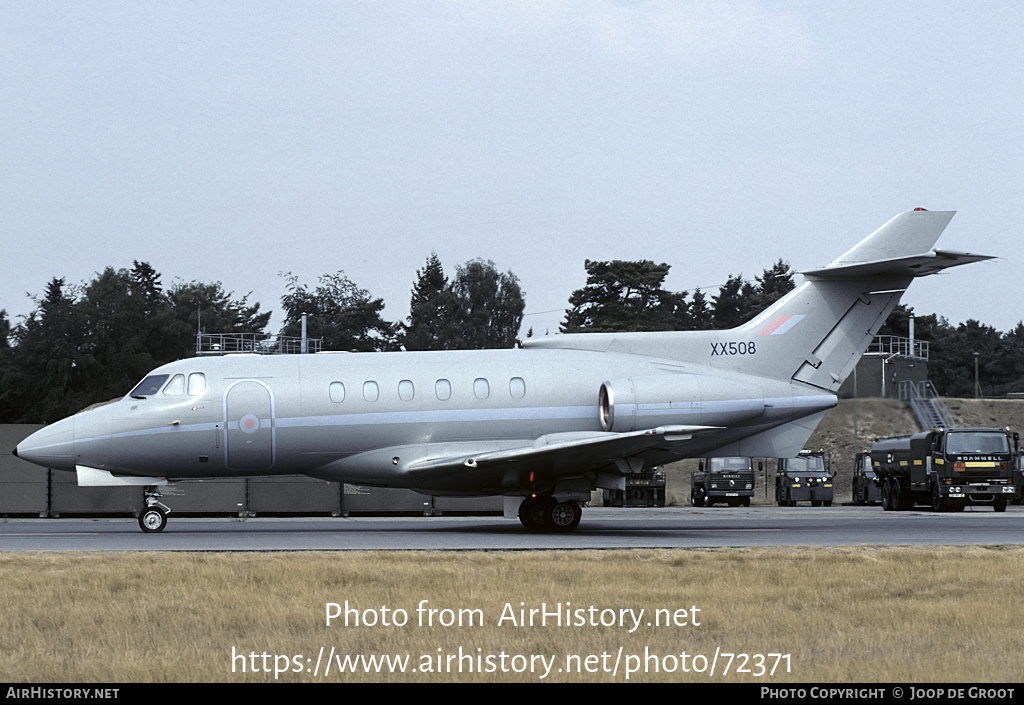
{"x": 945, "y": 468}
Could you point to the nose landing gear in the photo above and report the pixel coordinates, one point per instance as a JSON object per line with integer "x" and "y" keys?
{"x": 153, "y": 517}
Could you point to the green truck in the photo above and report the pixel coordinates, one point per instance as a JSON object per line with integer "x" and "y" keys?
{"x": 728, "y": 480}
{"x": 946, "y": 468}
{"x": 643, "y": 489}
{"x": 865, "y": 490}
{"x": 805, "y": 478}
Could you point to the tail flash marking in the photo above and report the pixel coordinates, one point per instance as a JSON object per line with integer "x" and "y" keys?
{"x": 781, "y": 324}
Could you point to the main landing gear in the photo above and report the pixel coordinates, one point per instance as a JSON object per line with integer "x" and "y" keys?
{"x": 545, "y": 513}
{"x": 153, "y": 517}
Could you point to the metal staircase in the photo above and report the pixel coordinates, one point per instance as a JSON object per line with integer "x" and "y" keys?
{"x": 926, "y": 404}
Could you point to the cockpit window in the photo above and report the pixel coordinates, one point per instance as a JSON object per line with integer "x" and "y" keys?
{"x": 148, "y": 386}
{"x": 196, "y": 384}
{"x": 176, "y": 386}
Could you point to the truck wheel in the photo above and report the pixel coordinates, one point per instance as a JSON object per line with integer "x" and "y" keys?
{"x": 887, "y": 495}
{"x": 901, "y": 500}
{"x": 999, "y": 504}
{"x": 939, "y": 503}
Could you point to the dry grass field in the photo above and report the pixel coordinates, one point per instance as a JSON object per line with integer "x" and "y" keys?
{"x": 864, "y": 614}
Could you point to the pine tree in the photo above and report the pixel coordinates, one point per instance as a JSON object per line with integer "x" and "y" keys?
{"x": 626, "y": 296}
{"x": 433, "y": 309}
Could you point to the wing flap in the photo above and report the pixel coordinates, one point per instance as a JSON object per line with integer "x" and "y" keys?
{"x": 582, "y": 451}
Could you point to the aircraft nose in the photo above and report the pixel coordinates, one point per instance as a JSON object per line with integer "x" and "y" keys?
{"x": 51, "y": 446}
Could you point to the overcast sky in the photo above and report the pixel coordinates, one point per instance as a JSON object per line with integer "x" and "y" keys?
{"x": 233, "y": 141}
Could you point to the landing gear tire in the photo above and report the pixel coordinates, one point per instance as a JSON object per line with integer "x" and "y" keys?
{"x": 564, "y": 516}
{"x": 152, "y": 520}
{"x": 533, "y": 513}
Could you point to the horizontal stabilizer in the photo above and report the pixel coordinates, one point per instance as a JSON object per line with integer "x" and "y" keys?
{"x": 913, "y": 266}
{"x": 902, "y": 247}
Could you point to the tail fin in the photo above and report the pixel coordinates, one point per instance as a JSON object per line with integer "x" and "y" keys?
{"x": 817, "y": 333}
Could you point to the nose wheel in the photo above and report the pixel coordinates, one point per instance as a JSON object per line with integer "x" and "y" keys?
{"x": 153, "y": 517}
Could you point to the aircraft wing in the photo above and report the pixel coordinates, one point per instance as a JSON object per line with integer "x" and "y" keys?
{"x": 563, "y": 453}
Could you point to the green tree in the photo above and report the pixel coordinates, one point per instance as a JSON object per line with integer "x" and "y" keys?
{"x": 339, "y": 312}
{"x": 738, "y": 301}
{"x": 433, "y": 311}
{"x": 700, "y": 314}
{"x": 731, "y": 306}
{"x": 490, "y": 306}
{"x": 774, "y": 283}
{"x": 6, "y": 365}
{"x": 206, "y": 307}
{"x": 625, "y": 296}
{"x": 951, "y": 363}
{"x": 1011, "y": 352}
{"x": 44, "y": 381}
{"x": 127, "y": 328}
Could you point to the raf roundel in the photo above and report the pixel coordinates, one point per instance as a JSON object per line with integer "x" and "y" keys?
{"x": 250, "y": 423}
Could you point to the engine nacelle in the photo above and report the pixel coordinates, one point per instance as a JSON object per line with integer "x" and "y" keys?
{"x": 636, "y": 403}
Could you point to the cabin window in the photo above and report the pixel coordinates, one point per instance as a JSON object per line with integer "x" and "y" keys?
{"x": 148, "y": 386}
{"x": 176, "y": 386}
{"x": 481, "y": 388}
{"x": 443, "y": 389}
{"x": 370, "y": 391}
{"x": 337, "y": 390}
{"x": 196, "y": 384}
{"x": 517, "y": 387}
{"x": 405, "y": 390}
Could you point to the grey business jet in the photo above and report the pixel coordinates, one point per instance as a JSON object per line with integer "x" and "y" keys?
{"x": 543, "y": 425}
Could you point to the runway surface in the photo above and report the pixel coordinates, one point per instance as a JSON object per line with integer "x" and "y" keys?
{"x": 601, "y": 528}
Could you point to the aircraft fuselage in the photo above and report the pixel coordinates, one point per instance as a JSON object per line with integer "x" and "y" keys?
{"x": 363, "y": 417}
